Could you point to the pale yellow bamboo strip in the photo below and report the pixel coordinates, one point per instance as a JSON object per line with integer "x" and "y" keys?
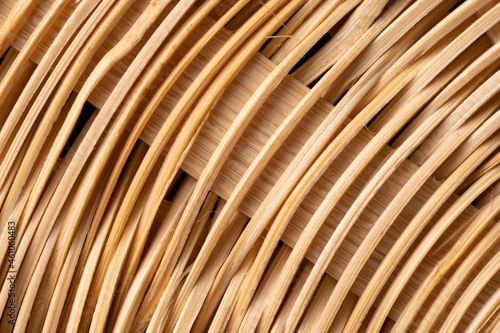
{"x": 435, "y": 233}
{"x": 152, "y": 264}
{"x": 298, "y": 194}
{"x": 485, "y": 167}
{"x": 407, "y": 238}
{"x": 85, "y": 315}
{"x": 191, "y": 305}
{"x": 319, "y": 300}
{"x": 170, "y": 125}
{"x": 326, "y": 8}
{"x": 28, "y": 201}
{"x": 356, "y": 25}
{"x": 83, "y": 10}
{"x": 409, "y": 186}
{"x": 280, "y": 192}
{"x": 46, "y": 316}
{"x": 251, "y": 322}
{"x": 3, "y": 249}
{"x": 424, "y": 44}
{"x": 494, "y": 32}
{"x": 6, "y": 189}
{"x": 368, "y": 190}
{"x": 386, "y": 43}
{"x": 468, "y": 147}
{"x": 131, "y": 138}
{"x": 90, "y": 24}
{"x": 487, "y": 197}
{"x": 158, "y": 320}
{"x": 486, "y": 312}
{"x": 94, "y": 243}
{"x": 57, "y": 103}
{"x": 203, "y": 216}
{"x": 438, "y": 272}
{"x": 428, "y": 91}
{"x": 115, "y": 14}
{"x": 422, "y": 152}
{"x": 72, "y": 175}
{"x": 495, "y": 325}
{"x": 14, "y": 22}
{"x": 412, "y": 185}
{"x": 8, "y": 58}
{"x": 30, "y": 274}
{"x": 279, "y": 321}
{"x": 99, "y": 231}
{"x": 245, "y": 14}
{"x": 143, "y": 228}
{"x": 222, "y": 190}
{"x": 388, "y": 327}
{"x": 195, "y": 120}
{"x": 468, "y": 296}
{"x": 485, "y": 63}
{"x": 61, "y": 187}
{"x": 5, "y": 107}
{"x": 222, "y": 151}
{"x": 30, "y": 229}
{"x": 230, "y": 296}
{"x": 138, "y": 92}
{"x": 151, "y": 106}
{"x": 287, "y": 31}
{"x": 28, "y": 48}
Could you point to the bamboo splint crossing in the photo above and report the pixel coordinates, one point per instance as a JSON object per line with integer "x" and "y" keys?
{"x": 247, "y": 166}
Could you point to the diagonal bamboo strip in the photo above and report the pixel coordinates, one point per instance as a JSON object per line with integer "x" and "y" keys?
{"x": 331, "y": 201}
{"x": 425, "y": 198}
{"x": 486, "y": 312}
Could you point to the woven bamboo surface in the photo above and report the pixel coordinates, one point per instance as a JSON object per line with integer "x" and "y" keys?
{"x": 248, "y": 166}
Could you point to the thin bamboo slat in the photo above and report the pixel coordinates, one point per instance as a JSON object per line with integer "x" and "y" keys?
{"x": 270, "y": 166}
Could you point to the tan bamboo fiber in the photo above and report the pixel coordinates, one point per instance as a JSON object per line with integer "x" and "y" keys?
{"x": 250, "y": 165}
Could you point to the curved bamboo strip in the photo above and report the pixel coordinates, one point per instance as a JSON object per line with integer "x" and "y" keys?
{"x": 210, "y": 190}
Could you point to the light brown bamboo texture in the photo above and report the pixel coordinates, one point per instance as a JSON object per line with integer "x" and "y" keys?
{"x": 250, "y": 166}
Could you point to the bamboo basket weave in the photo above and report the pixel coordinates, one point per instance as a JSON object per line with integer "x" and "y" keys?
{"x": 250, "y": 165}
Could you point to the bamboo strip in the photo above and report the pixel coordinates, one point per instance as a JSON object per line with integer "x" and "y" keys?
{"x": 337, "y": 190}
{"x": 357, "y": 24}
{"x": 414, "y": 199}
{"x": 287, "y": 31}
{"x": 83, "y": 10}
{"x": 469, "y": 295}
{"x": 326, "y": 8}
{"x": 486, "y": 312}
{"x": 229, "y": 300}
{"x": 410, "y": 187}
{"x": 14, "y": 22}
{"x": 468, "y": 237}
{"x": 309, "y": 255}
{"x": 410, "y": 233}
{"x": 251, "y": 174}
{"x": 94, "y": 243}
{"x": 205, "y": 282}
{"x": 171, "y": 157}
